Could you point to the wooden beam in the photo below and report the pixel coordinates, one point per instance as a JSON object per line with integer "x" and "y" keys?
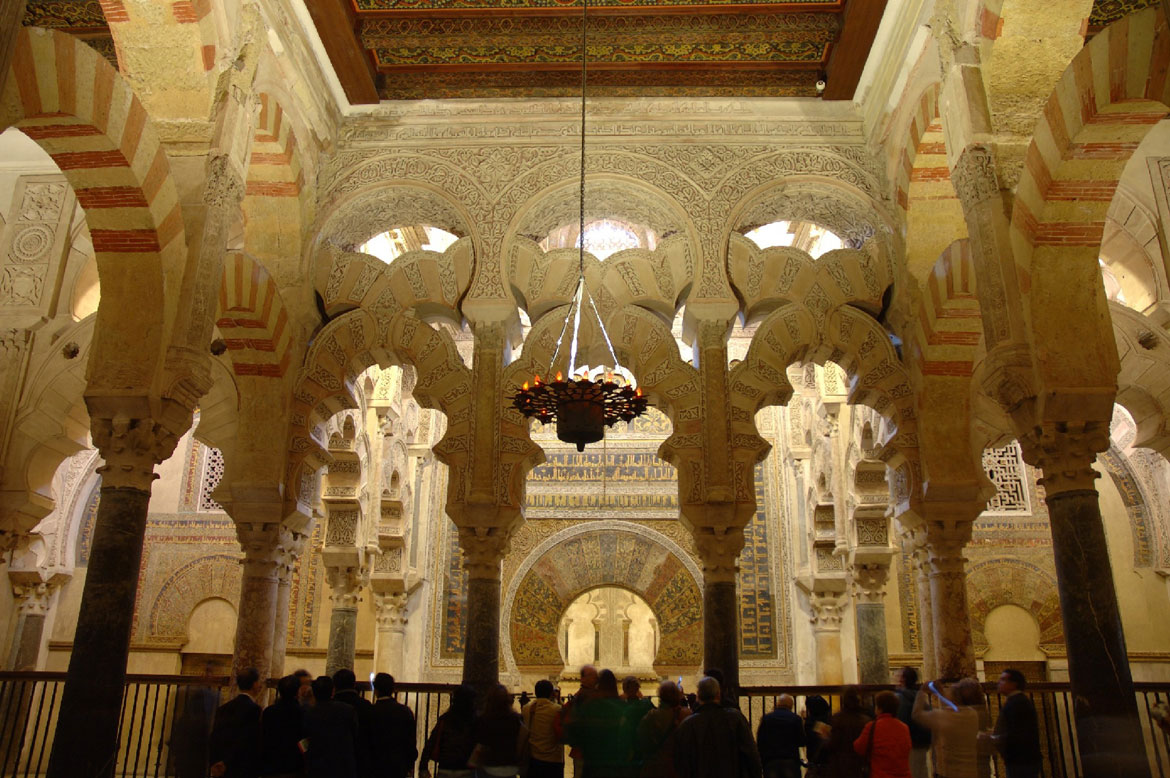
{"x": 850, "y": 52}
{"x": 336, "y": 24}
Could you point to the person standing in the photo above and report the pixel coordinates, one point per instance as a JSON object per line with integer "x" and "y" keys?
{"x": 586, "y": 693}
{"x": 780, "y": 737}
{"x": 234, "y": 746}
{"x": 954, "y": 728}
{"x": 546, "y": 754}
{"x": 654, "y": 739}
{"x": 392, "y": 732}
{"x": 837, "y": 757}
{"x": 1017, "y": 731}
{"x": 498, "y": 735}
{"x": 331, "y": 731}
{"x": 907, "y": 692}
{"x": 715, "y": 742}
{"x": 885, "y": 742}
{"x": 452, "y": 740}
{"x": 281, "y": 731}
{"x": 345, "y": 692}
{"x": 598, "y": 729}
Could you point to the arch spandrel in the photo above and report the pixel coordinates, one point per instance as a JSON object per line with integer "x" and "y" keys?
{"x": 576, "y": 562}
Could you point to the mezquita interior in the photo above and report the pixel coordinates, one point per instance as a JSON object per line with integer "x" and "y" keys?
{"x": 891, "y": 274}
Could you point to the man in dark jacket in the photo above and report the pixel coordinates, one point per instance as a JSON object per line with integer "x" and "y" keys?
{"x": 234, "y": 747}
{"x": 344, "y": 691}
{"x": 780, "y": 738}
{"x": 281, "y": 731}
{"x": 715, "y": 742}
{"x": 392, "y": 732}
{"x": 1017, "y": 732}
{"x": 907, "y": 692}
{"x": 331, "y": 729}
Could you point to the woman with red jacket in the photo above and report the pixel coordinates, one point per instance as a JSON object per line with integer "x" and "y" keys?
{"x": 886, "y": 741}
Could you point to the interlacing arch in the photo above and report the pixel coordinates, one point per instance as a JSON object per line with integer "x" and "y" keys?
{"x": 355, "y": 341}
{"x": 857, "y": 343}
{"x": 425, "y": 281}
{"x": 69, "y": 100}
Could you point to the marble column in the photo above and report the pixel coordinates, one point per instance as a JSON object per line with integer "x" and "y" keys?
{"x": 1108, "y": 725}
{"x": 87, "y": 725}
{"x": 33, "y": 596}
{"x": 919, "y": 559}
{"x": 481, "y": 648}
{"x": 827, "y": 614}
{"x": 259, "y": 594}
{"x": 284, "y": 574}
{"x": 954, "y": 652}
{"x": 869, "y": 590}
{"x": 346, "y": 585}
{"x": 719, "y": 553}
{"x": 391, "y": 621}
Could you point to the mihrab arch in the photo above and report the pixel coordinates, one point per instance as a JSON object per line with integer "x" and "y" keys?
{"x": 583, "y": 558}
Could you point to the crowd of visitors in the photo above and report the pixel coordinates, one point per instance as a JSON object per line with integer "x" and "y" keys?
{"x": 324, "y": 728}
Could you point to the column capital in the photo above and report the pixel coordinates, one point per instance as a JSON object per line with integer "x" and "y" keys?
{"x": 346, "y": 585}
{"x": 869, "y": 582}
{"x": 131, "y": 447}
{"x": 974, "y": 176}
{"x": 1065, "y": 452}
{"x": 719, "y": 549}
{"x": 483, "y": 550}
{"x": 828, "y": 610}
{"x": 33, "y": 594}
{"x": 391, "y": 610}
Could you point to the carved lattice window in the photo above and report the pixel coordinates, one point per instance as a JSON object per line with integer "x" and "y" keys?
{"x": 1005, "y": 468}
{"x": 212, "y": 472}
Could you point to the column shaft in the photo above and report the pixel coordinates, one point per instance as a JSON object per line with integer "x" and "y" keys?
{"x": 873, "y": 658}
{"x": 342, "y": 639}
{"x": 389, "y": 650}
{"x": 926, "y": 620}
{"x": 87, "y": 725}
{"x": 952, "y": 622}
{"x": 721, "y": 631}
{"x": 830, "y": 671}
{"x": 26, "y": 643}
{"x": 258, "y": 608}
{"x": 481, "y": 650}
{"x": 280, "y": 624}
{"x": 1108, "y": 727}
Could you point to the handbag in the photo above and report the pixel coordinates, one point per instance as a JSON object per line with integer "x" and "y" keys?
{"x": 869, "y": 751}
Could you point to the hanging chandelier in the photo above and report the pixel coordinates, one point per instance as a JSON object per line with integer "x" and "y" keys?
{"x": 591, "y": 398}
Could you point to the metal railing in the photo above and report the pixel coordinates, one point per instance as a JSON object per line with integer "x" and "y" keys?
{"x": 153, "y": 705}
{"x": 1054, "y": 710}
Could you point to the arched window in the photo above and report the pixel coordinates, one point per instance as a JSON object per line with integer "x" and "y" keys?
{"x": 811, "y": 238}
{"x": 392, "y": 244}
{"x": 603, "y": 237}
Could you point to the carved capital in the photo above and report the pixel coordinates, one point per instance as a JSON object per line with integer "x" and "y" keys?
{"x": 484, "y": 549}
{"x": 944, "y": 546}
{"x": 345, "y": 584}
{"x": 719, "y": 549}
{"x": 974, "y": 176}
{"x": 391, "y": 614}
{"x": 869, "y": 582}
{"x": 827, "y": 611}
{"x": 34, "y": 594}
{"x": 131, "y": 448}
{"x": 267, "y": 549}
{"x": 1065, "y": 453}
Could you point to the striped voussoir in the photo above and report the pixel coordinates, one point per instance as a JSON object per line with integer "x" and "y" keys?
{"x": 950, "y": 325}
{"x": 275, "y": 169}
{"x": 1109, "y": 97}
{"x": 913, "y": 168}
{"x": 253, "y": 319}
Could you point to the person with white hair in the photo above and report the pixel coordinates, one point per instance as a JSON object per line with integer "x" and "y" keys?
{"x": 715, "y": 742}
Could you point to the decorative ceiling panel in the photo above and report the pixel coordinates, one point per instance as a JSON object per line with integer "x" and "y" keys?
{"x": 82, "y": 18}
{"x": 532, "y": 48}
